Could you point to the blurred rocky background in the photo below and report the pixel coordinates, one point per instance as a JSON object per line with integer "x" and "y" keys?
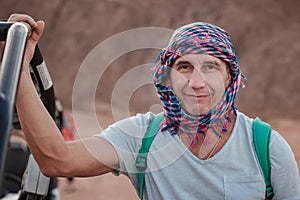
{"x": 265, "y": 34}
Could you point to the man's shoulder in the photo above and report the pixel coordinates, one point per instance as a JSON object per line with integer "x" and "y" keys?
{"x": 139, "y": 119}
{"x": 243, "y": 119}
{"x": 136, "y": 124}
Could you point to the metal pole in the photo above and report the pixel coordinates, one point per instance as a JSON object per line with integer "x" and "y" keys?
{"x": 9, "y": 78}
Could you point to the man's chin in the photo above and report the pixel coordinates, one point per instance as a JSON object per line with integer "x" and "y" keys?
{"x": 197, "y": 111}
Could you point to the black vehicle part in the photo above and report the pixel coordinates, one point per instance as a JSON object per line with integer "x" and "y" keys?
{"x": 44, "y": 81}
{"x": 13, "y": 174}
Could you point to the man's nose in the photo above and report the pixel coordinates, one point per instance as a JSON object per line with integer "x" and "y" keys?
{"x": 197, "y": 80}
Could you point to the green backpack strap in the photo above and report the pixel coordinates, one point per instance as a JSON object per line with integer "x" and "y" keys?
{"x": 141, "y": 160}
{"x": 261, "y": 139}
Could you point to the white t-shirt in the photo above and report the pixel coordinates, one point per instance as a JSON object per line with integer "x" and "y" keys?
{"x": 173, "y": 172}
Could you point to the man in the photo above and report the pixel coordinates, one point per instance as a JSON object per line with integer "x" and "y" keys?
{"x": 204, "y": 147}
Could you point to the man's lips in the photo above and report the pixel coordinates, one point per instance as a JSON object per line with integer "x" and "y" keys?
{"x": 199, "y": 97}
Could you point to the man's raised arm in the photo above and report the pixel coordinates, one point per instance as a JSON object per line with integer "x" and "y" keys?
{"x": 54, "y": 156}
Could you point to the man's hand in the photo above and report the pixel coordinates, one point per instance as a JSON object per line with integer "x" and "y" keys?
{"x": 36, "y": 33}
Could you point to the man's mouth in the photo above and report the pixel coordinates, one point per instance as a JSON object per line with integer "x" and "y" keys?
{"x": 199, "y": 97}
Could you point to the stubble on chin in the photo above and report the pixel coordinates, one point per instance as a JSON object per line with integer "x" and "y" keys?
{"x": 196, "y": 110}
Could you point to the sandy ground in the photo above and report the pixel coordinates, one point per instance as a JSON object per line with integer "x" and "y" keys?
{"x": 102, "y": 187}
{"x": 112, "y": 187}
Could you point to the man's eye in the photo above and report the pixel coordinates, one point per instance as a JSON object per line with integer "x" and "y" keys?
{"x": 183, "y": 68}
{"x": 210, "y": 67}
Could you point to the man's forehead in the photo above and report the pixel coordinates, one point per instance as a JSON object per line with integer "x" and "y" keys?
{"x": 198, "y": 58}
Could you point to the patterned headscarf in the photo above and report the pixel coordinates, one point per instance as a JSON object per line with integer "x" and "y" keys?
{"x": 196, "y": 38}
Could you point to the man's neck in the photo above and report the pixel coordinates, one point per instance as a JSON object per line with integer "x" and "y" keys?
{"x": 211, "y": 143}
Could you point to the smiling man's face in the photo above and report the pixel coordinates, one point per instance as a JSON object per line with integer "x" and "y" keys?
{"x": 199, "y": 82}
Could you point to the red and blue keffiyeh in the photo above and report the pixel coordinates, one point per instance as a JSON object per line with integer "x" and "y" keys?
{"x": 196, "y": 38}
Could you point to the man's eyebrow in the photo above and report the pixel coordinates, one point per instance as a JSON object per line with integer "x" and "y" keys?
{"x": 212, "y": 62}
{"x": 181, "y": 62}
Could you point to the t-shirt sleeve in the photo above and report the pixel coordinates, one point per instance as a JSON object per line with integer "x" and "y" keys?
{"x": 126, "y": 138}
{"x": 284, "y": 169}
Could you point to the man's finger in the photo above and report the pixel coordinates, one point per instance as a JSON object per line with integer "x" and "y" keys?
{"x": 24, "y": 18}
